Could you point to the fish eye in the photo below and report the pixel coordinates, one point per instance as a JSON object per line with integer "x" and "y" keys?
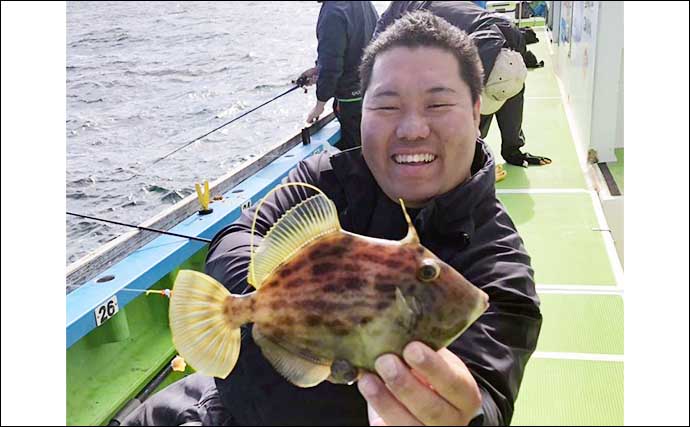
{"x": 429, "y": 270}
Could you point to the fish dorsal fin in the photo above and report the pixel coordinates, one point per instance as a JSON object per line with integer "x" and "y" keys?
{"x": 296, "y": 369}
{"x": 300, "y": 225}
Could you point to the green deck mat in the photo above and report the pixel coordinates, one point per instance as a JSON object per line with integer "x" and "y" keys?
{"x": 546, "y": 134}
{"x": 559, "y": 236}
{"x": 570, "y": 392}
{"x": 541, "y": 82}
{"x": 558, "y": 232}
{"x": 546, "y": 129}
{"x": 103, "y": 376}
{"x": 581, "y": 324}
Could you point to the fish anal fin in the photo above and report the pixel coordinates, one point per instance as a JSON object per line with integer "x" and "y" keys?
{"x": 296, "y": 369}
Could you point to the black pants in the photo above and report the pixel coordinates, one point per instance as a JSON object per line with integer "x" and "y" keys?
{"x": 349, "y": 115}
{"x": 193, "y": 400}
{"x": 509, "y": 118}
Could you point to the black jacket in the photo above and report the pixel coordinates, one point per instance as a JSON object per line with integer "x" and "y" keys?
{"x": 344, "y": 29}
{"x": 489, "y": 30}
{"x": 468, "y": 228}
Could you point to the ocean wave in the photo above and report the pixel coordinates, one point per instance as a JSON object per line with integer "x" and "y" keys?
{"x": 270, "y": 86}
{"x": 232, "y": 110}
{"x": 173, "y": 197}
{"x": 85, "y": 84}
{"x": 79, "y": 67}
{"x": 115, "y": 83}
{"x": 129, "y": 178}
{"x": 83, "y": 228}
{"x": 219, "y": 70}
{"x": 163, "y": 73}
{"x": 80, "y": 195}
{"x": 153, "y": 188}
{"x": 83, "y": 182}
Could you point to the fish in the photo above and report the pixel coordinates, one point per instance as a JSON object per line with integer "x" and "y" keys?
{"x": 327, "y": 302}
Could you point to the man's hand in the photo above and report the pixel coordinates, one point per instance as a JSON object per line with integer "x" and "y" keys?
{"x": 429, "y": 388}
{"x": 310, "y": 76}
{"x": 316, "y": 112}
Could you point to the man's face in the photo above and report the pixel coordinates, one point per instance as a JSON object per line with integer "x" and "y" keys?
{"x": 419, "y": 125}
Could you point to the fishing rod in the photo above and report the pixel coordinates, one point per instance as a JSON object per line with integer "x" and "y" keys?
{"x": 155, "y": 230}
{"x": 141, "y": 397}
{"x": 300, "y": 82}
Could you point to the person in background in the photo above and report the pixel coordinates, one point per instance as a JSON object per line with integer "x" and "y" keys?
{"x": 502, "y": 49}
{"x": 343, "y": 30}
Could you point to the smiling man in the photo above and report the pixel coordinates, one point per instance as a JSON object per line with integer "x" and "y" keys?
{"x": 421, "y": 116}
{"x": 501, "y": 48}
{"x": 422, "y": 81}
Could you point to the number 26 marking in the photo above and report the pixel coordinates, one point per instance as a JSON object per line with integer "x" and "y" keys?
{"x": 106, "y": 310}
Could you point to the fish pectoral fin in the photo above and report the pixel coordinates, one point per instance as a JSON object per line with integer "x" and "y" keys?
{"x": 408, "y": 311}
{"x": 296, "y": 369}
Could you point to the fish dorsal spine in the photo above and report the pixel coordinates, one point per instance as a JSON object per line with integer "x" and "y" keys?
{"x": 412, "y": 236}
{"x": 300, "y": 225}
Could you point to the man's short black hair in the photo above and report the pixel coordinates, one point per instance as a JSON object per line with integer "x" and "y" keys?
{"x": 422, "y": 28}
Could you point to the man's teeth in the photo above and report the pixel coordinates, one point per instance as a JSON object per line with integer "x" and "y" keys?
{"x": 414, "y": 158}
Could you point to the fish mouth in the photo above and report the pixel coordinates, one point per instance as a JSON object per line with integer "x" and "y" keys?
{"x": 414, "y": 159}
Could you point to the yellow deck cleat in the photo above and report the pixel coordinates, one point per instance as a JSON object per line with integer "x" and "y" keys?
{"x": 204, "y": 198}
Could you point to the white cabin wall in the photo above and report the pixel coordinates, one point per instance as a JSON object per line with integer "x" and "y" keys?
{"x": 588, "y": 47}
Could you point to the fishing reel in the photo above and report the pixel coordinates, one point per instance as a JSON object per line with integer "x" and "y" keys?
{"x": 301, "y": 82}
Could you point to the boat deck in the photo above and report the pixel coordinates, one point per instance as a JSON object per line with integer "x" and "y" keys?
{"x": 574, "y": 378}
{"x": 576, "y": 375}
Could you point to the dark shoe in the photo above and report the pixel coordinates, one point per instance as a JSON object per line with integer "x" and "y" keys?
{"x": 525, "y": 159}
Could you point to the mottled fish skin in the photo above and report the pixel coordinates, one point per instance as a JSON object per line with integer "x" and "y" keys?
{"x": 327, "y": 303}
{"x": 351, "y": 297}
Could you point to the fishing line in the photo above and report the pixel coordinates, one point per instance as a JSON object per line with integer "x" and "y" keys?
{"x": 155, "y": 230}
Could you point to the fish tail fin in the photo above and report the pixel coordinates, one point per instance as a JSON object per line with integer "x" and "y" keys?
{"x": 202, "y": 329}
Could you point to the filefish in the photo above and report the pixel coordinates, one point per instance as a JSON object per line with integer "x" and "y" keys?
{"x": 327, "y": 302}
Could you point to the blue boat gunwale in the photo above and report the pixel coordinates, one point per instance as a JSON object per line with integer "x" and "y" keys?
{"x": 142, "y": 268}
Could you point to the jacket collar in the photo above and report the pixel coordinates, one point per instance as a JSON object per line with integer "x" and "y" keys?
{"x": 359, "y": 186}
